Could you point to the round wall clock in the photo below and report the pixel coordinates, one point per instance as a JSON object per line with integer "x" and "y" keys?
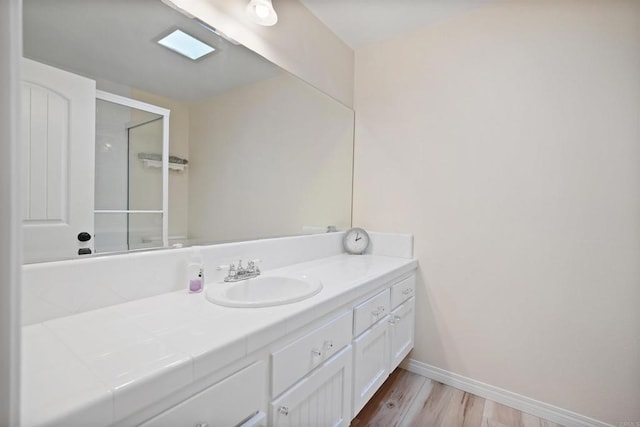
{"x": 355, "y": 241}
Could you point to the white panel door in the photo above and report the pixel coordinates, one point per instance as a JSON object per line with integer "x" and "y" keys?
{"x": 321, "y": 399}
{"x": 58, "y": 143}
{"x": 371, "y": 363}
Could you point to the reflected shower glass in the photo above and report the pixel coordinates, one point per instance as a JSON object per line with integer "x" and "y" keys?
{"x": 116, "y": 232}
{"x": 128, "y": 178}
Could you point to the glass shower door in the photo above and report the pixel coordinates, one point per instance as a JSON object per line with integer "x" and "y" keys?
{"x": 130, "y": 193}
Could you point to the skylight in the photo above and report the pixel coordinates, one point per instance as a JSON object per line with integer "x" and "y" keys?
{"x": 182, "y": 43}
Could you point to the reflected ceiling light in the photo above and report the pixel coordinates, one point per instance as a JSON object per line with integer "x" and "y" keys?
{"x": 186, "y": 45}
{"x": 262, "y": 12}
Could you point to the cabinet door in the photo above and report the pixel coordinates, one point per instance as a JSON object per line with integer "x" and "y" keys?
{"x": 371, "y": 363}
{"x": 402, "y": 323}
{"x": 321, "y": 399}
{"x": 230, "y": 402}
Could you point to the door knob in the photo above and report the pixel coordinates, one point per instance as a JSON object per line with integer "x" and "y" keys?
{"x": 84, "y": 236}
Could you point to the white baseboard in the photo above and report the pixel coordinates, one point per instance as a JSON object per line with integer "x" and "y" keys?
{"x": 505, "y": 397}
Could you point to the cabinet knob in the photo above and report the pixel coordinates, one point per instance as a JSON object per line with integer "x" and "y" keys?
{"x": 317, "y": 353}
{"x": 377, "y": 312}
{"x": 284, "y": 410}
{"x": 394, "y": 319}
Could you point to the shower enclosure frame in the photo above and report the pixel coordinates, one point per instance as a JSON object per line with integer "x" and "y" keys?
{"x": 165, "y": 113}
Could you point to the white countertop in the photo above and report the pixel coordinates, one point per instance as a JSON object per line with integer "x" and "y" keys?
{"x": 101, "y": 366}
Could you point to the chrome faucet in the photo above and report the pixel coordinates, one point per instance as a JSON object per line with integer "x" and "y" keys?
{"x": 235, "y": 274}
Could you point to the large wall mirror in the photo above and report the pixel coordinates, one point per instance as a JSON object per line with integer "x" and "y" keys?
{"x": 158, "y": 149}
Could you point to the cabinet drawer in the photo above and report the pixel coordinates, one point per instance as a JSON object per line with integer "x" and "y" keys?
{"x": 220, "y": 404}
{"x": 370, "y": 311}
{"x": 301, "y": 356}
{"x": 403, "y": 290}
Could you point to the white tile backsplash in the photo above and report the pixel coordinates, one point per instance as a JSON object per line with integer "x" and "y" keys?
{"x": 63, "y": 288}
{"x": 391, "y": 244}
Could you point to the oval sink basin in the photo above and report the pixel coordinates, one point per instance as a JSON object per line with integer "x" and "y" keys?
{"x": 264, "y": 291}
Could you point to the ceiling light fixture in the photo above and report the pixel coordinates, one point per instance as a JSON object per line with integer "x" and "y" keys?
{"x": 262, "y": 12}
{"x": 186, "y": 45}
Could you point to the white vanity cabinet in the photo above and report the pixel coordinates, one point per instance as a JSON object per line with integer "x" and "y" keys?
{"x": 238, "y": 400}
{"x": 182, "y": 361}
{"x": 320, "y": 376}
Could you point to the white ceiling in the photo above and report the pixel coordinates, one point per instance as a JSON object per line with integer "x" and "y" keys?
{"x": 360, "y": 22}
{"x": 115, "y": 41}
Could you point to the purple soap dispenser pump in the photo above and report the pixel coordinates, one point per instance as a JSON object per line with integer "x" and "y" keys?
{"x": 195, "y": 271}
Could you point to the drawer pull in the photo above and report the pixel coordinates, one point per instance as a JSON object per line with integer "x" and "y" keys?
{"x": 202, "y": 425}
{"x": 407, "y": 291}
{"x": 394, "y": 319}
{"x": 284, "y": 410}
{"x": 379, "y": 311}
{"x": 327, "y": 345}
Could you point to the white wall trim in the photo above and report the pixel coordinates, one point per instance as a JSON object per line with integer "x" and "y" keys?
{"x": 10, "y": 219}
{"x": 505, "y": 397}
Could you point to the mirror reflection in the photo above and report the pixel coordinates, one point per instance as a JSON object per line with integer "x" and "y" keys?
{"x": 167, "y": 149}
{"x": 128, "y": 177}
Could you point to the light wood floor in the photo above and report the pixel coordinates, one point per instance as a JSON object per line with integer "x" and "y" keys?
{"x": 408, "y": 399}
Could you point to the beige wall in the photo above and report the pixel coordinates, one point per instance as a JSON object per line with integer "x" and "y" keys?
{"x": 508, "y": 142}
{"x": 178, "y": 146}
{"x": 268, "y": 159}
{"x": 299, "y": 42}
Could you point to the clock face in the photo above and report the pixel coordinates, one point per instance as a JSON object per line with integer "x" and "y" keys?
{"x": 356, "y": 241}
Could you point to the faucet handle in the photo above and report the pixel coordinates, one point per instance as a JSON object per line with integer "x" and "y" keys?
{"x": 251, "y": 266}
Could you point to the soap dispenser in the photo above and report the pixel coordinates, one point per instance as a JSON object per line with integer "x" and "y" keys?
{"x": 195, "y": 271}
